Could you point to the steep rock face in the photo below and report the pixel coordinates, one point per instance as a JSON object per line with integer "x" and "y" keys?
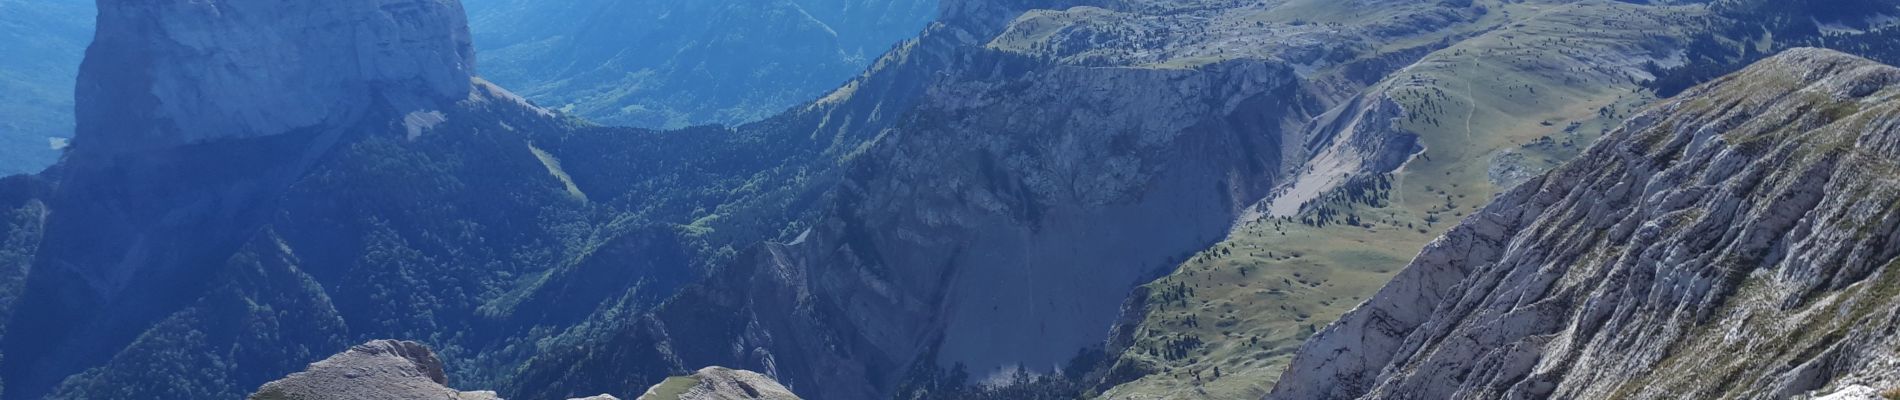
{"x": 166, "y": 73}
{"x": 717, "y": 383}
{"x": 197, "y": 117}
{"x": 1735, "y": 242}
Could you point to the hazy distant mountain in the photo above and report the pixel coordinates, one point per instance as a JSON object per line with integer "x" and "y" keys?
{"x": 41, "y": 42}
{"x": 670, "y": 64}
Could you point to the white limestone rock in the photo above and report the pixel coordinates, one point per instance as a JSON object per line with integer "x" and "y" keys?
{"x": 378, "y": 370}
{"x": 163, "y": 73}
{"x": 718, "y": 383}
{"x": 383, "y": 370}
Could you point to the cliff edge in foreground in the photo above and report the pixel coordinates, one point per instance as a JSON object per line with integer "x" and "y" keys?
{"x": 404, "y": 370}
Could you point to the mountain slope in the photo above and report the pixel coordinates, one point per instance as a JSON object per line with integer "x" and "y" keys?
{"x": 1524, "y": 87}
{"x": 974, "y": 208}
{"x": 1733, "y": 242}
{"x": 196, "y": 252}
{"x": 981, "y": 230}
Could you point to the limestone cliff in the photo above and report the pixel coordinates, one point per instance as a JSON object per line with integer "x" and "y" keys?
{"x": 1735, "y": 242}
{"x": 172, "y": 72}
{"x": 195, "y": 119}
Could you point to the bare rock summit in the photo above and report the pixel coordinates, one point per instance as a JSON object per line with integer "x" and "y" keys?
{"x": 378, "y": 370}
{"x": 718, "y": 383}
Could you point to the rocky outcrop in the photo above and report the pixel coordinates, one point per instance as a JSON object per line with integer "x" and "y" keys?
{"x": 717, "y": 383}
{"x": 1738, "y": 241}
{"x": 173, "y": 72}
{"x": 196, "y": 119}
{"x": 382, "y": 369}
{"x": 393, "y": 370}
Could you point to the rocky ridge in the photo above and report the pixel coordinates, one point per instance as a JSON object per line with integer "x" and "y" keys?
{"x": 1734, "y": 242}
{"x": 159, "y": 237}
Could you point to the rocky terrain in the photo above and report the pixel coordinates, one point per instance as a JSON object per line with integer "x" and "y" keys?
{"x": 213, "y": 249}
{"x": 403, "y": 370}
{"x": 1522, "y": 88}
{"x": 672, "y": 64}
{"x": 1733, "y": 242}
{"x": 383, "y": 369}
{"x": 715, "y": 383}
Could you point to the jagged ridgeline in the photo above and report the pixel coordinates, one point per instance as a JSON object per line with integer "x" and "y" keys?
{"x": 1738, "y": 241}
